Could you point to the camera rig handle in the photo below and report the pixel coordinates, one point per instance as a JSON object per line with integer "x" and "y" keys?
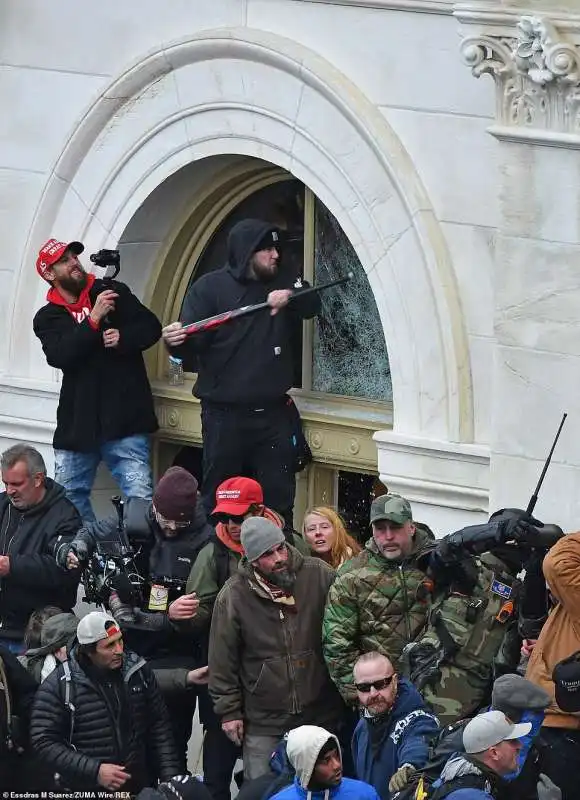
{"x": 119, "y": 504}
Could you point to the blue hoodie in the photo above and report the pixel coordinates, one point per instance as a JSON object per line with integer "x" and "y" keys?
{"x": 405, "y": 740}
{"x": 347, "y": 789}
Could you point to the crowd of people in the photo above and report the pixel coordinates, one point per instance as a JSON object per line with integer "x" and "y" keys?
{"x": 386, "y": 663}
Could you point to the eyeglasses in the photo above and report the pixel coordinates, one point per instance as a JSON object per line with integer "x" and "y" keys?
{"x": 225, "y": 518}
{"x": 171, "y": 523}
{"x": 364, "y": 688}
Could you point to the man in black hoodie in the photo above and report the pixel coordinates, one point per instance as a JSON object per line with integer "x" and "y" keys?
{"x": 35, "y": 517}
{"x": 245, "y": 368}
{"x": 96, "y": 331}
{"x": 168, "y": 533}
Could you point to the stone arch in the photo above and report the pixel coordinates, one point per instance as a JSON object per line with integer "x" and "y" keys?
{"x": 292, "y": 108}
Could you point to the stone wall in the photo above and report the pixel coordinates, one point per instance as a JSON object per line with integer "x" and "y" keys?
{"x": 468, "y": 239}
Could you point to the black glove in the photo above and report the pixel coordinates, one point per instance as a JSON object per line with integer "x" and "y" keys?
{"x": 77, "y": 546}
{"x": 518, "y": 529}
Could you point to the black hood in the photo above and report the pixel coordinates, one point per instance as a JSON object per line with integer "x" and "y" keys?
{"x": 242, "y": 241}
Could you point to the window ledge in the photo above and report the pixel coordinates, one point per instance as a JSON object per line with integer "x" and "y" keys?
{"x": 339, "y": 430}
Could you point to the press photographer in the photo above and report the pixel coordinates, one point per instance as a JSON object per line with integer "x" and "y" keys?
{"x": 95, "y": 330}
{"x": 139, "y": 570}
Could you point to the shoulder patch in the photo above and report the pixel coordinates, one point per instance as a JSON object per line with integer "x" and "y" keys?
{"x": 501, "y": 589}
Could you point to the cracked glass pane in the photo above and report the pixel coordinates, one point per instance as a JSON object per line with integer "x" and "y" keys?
{"x": 349, "y": 352}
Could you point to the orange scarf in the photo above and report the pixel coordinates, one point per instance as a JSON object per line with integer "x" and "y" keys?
{"x": 236, "y": 547}
{"x": 224, "y": 537}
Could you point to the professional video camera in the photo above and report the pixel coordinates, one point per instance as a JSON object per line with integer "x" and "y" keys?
{"x": 111, "y": 567}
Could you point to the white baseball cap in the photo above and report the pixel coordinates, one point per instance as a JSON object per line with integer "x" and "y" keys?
{"x": 93, "y": 627}
{"x": 491, "y": 728}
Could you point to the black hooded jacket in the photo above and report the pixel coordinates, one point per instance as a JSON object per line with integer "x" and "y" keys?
{"x": 29, "y": 538}
{"x": 105, "y": 393}
{"x": 250, "y": 359}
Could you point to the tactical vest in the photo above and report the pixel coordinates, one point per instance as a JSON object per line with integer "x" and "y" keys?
{"x": 452, "y": 662}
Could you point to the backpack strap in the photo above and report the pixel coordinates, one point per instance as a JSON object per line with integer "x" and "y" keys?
{"x": 67, "y": 678}
{"x": 8, "y": 701}
{"x": 464, "y": 782}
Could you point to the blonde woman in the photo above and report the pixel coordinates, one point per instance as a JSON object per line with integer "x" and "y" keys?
{"x": 325, "y": 532}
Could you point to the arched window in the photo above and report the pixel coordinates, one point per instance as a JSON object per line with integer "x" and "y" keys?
{"x": 342, "y": 352}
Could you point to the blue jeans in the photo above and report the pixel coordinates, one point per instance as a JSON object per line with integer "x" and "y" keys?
{"x": 128, "y": 460}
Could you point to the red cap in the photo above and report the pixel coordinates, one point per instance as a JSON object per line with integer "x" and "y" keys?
{"x": 52, "y": 251}
{"x": 236, "y": 495}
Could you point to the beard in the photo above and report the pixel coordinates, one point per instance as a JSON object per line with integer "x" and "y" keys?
{"x": 282, "y": 578}
{"x": 74, "y": 285}
{"x": 264, "y": 274}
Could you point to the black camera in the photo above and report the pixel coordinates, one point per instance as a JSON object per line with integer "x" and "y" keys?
{"x": 106, "y": 258}
{"x": 111, "y": 567}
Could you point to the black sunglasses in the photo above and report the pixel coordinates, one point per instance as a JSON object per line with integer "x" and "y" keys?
{"x": 225, "y": 518}
{"x": 364, "y": 688}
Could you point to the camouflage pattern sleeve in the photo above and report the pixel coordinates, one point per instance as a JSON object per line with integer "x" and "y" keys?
{"x": 340, "y": 634}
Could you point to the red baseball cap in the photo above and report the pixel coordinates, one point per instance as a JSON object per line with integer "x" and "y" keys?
{"x": 51, "y": 251}
{"x": 236, "y": 495}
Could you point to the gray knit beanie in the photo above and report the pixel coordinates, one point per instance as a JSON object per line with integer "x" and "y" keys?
{"x": 258, "y": 536}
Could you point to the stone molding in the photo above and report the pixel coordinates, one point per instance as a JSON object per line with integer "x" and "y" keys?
{"x": 445, "y": 474}
{"x": 421, "y": 6}
{"x": 536, "y": 68}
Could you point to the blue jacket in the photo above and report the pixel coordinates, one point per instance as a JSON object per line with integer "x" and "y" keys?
{"x": 469, "y": 794}
{"x": 346, "y": 790}
{"x": 405, "y": 740}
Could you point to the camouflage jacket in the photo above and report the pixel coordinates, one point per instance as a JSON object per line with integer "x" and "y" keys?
{"x": 374, "y": 604}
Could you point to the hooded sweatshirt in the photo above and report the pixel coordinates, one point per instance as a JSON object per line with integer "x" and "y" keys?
{"x": 105, "y": 393}
{"x": 57, "y": 632}
{"x": 303, "y": 748}
{"x": 249, "y": 360}
{"x": 30, "y": 537}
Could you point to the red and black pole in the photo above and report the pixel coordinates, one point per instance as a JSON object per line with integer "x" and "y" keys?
{"x": 217, "y": 320}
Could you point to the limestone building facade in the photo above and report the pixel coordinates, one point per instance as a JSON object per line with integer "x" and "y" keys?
{"x": 430, "y": 146}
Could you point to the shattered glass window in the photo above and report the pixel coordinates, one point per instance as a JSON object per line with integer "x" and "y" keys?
{"x": 349, "y": 351}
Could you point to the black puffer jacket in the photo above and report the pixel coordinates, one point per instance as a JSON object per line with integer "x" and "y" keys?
{"x": 250, "y": 360}
{"x": 141, "y": 740}
{"x": 29, "y": 538}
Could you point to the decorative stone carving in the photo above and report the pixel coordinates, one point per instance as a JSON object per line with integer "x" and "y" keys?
{"x": 316, "y": 440}
{"x": 353, "y": 446}
{"x": 173, "y": 418}
{"x": 536, "y": 72}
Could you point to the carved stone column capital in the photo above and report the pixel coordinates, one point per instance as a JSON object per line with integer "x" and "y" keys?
{"x": 536, "y": 69}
